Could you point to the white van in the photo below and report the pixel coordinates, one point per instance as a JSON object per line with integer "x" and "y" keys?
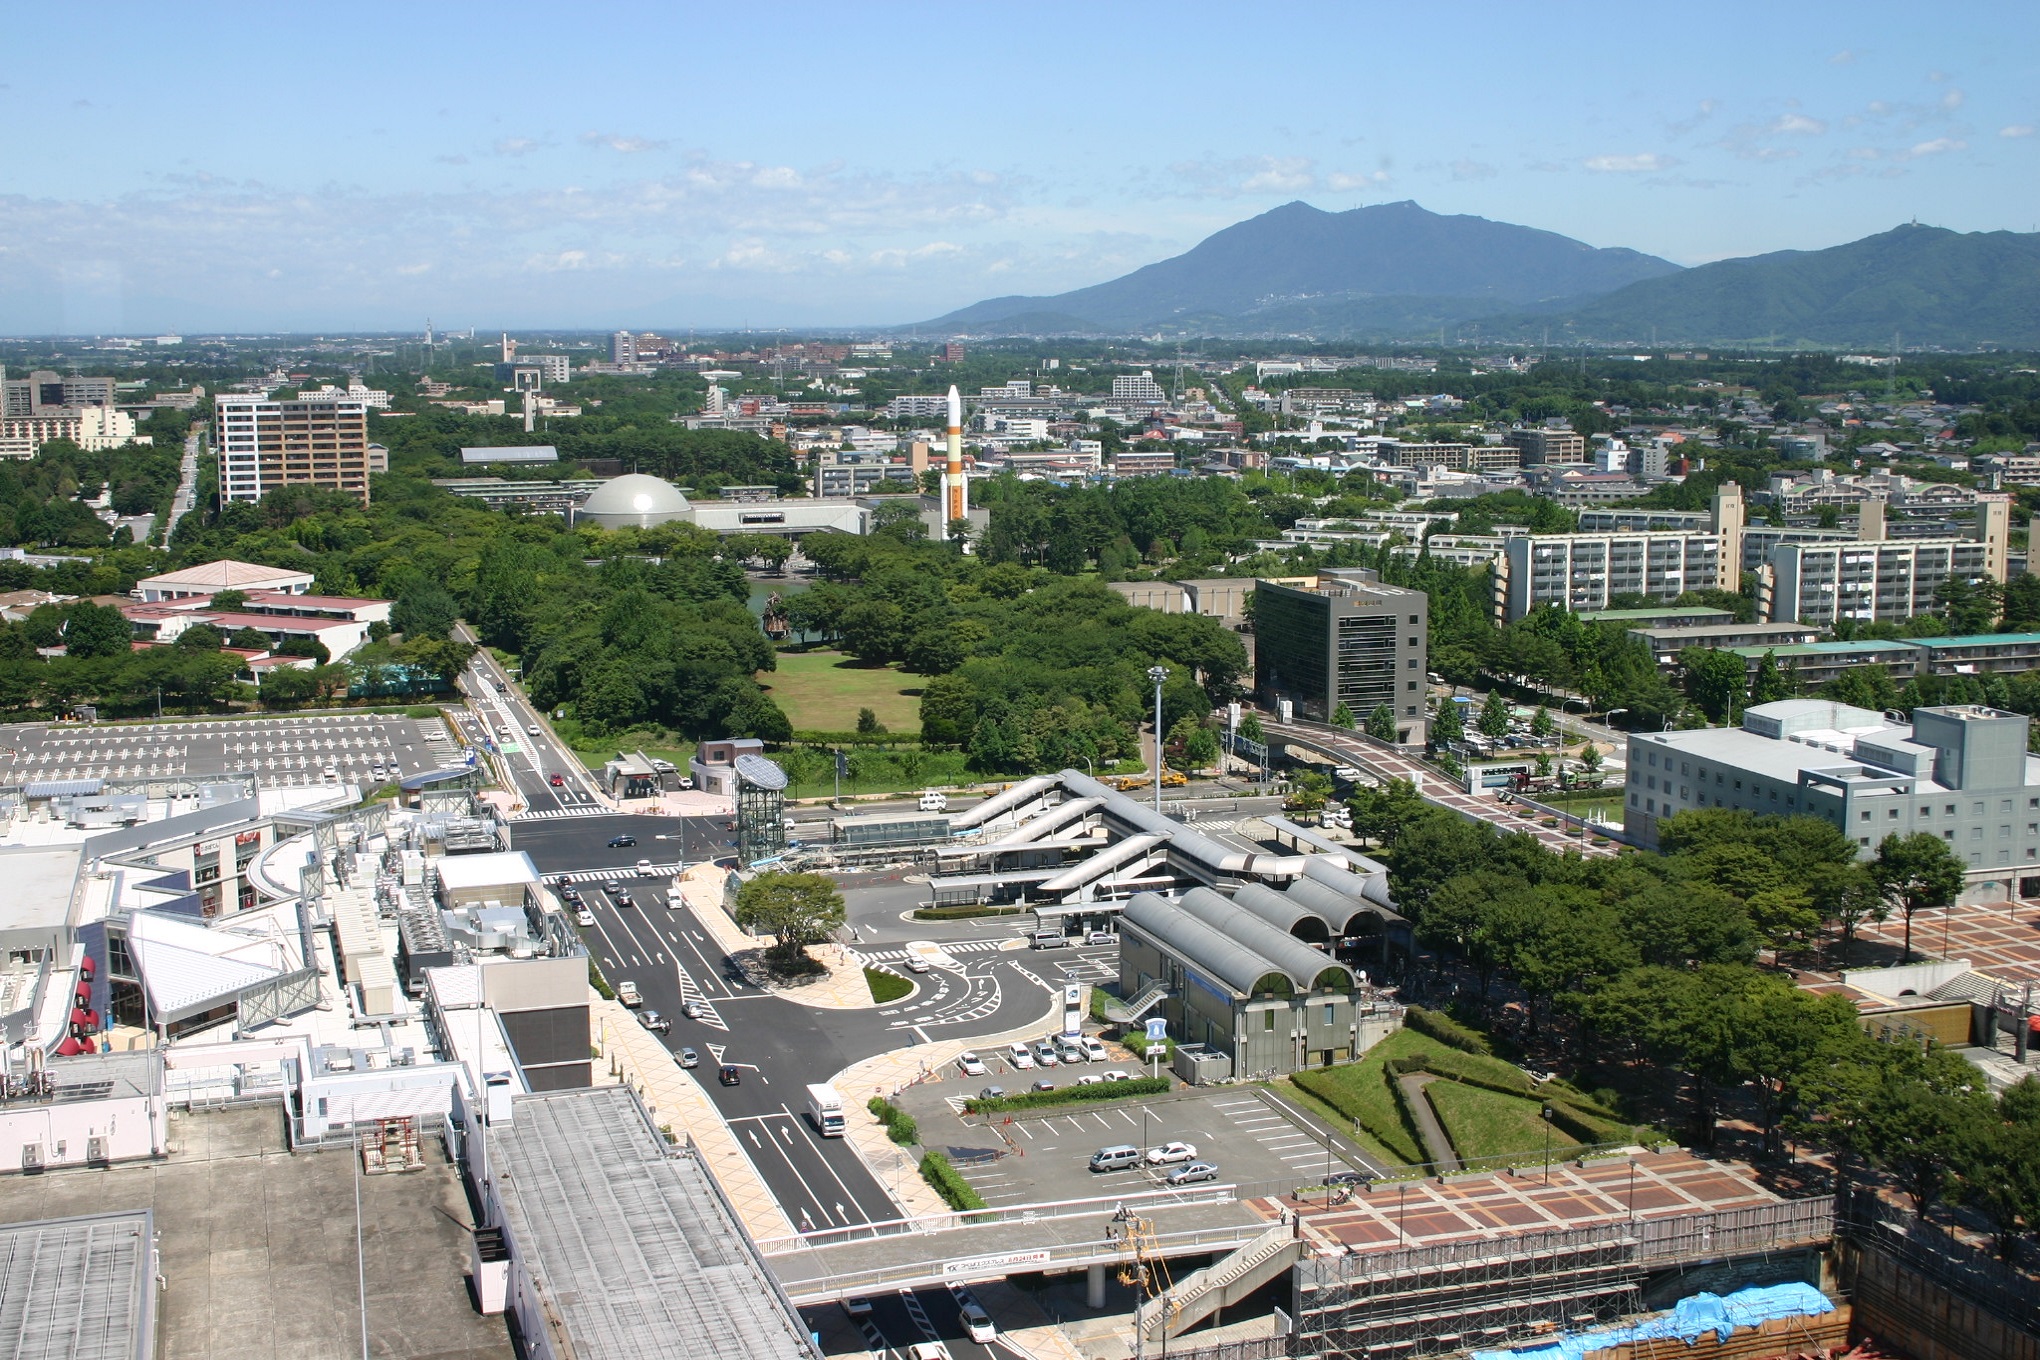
{"x": 934, "y": 800}
{"x": 1047, "y": 939}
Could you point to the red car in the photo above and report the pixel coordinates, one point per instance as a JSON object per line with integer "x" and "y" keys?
{"x": 559, "y": 781}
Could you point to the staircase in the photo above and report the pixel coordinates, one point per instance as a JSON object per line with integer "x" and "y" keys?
{"x": 1220, "y": 1284}
{"x": 1125, "y": 1012}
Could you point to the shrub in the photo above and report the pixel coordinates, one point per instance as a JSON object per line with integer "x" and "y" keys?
{"x": 899, "y": 1125}
{"x": 599, "y": 982}
{"x": 962, "y": 913}
{"x": 1109, "y": 1090}
{"x": 954, "y": 1189}
{"x": 1446, "y": 1030}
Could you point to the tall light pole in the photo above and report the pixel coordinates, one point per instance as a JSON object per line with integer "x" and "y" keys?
{"x": 1158, "y": 674}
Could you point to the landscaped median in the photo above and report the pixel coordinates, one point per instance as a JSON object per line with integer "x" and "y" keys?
{"x": 1070, "y": 1095}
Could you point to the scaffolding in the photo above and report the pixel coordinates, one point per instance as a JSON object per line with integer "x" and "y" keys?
{"x": 761, "y": 812}
{"x": 1494, "y": 1292}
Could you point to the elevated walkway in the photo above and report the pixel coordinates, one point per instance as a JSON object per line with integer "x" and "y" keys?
{"x": 1136, "y": 855}
{"x": 1222, "y": 1284}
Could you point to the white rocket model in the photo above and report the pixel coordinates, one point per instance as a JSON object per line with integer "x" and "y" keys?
{"x": 955, "y": 490}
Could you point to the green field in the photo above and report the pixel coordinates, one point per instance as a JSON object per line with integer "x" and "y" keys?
{"x": 822, "y": 691}
{"x": 1360, "y": 1092}
{"x": 1483, "y": 1123}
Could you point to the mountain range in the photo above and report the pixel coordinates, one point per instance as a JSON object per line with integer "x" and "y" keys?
{"x": 1396, "y": 271}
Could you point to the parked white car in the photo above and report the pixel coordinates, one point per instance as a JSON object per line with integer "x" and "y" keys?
{"x": 972, "y": 1065}
{"x": 1022, "y": 1060}
{"x": 1169, "y": 1153}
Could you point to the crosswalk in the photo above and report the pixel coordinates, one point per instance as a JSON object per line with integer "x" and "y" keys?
{"x": 621, "y": 871}
{"x": 902, "y": 955}
{"x": 546, "y": 814}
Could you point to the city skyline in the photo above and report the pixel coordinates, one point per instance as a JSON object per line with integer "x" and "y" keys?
{"x": 501, "y": 167}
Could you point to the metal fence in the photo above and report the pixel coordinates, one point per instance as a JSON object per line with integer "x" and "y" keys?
{"x": 1941, "y": 1256}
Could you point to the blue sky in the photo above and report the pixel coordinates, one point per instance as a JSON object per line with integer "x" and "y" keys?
{"x": 222, "y": 166}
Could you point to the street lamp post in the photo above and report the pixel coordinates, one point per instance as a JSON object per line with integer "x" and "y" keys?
{"x": 1158, "y": 674}
{"x": 1547, "y": 1145}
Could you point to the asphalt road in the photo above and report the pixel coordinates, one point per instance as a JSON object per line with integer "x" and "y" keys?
{"x": 527, "y": 749}
{"x": 779, "y": 1046}
{"x": 900, "y": 1319}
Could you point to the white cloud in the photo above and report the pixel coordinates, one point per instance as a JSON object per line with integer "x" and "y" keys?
{"x": 628, "y": 146}
{"x": 2016, "y": 130}
{"x": 515, "y": 146}
{"x": 1247, "y": 175}
{"x": 1797, "y": 123}
{"x": 1937, "y": 146}
{"x": 1630, "y": 165}
{"x": 1952, "y": 100}
{"x": 1472, "y": 170}
{"x": 413, "y": 269}
{"x": 1368, "y": 179}
{"x": 1844, "y": 57}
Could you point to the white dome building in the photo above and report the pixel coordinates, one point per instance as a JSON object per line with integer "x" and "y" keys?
{"x": 634, "y": 501}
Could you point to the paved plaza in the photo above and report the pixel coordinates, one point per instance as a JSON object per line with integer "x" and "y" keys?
{"x": 1461, "y": 1209}
{"x": 1998, "y": 938}
{"x": 282, "y": 751}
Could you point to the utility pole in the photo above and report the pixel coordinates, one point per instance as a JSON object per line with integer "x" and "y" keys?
{"x": 1158, "y": 674}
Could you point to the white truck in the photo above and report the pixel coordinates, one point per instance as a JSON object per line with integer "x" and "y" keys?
{"x": 825, "y": 1110}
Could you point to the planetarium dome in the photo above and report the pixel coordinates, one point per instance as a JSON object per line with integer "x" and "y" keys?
{"x": 634, "y": 501}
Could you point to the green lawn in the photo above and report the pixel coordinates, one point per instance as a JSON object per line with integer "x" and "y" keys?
{"x": 1360, "y": 1091}
{"x": 1369, "y": 1144}
{"x": 822, "y": 691}
{"x": 1488, "y": 1124}
{"x": 886, "y": 986}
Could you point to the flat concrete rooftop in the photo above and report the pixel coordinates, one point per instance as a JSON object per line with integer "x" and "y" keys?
{"x": 257, "y": 1245}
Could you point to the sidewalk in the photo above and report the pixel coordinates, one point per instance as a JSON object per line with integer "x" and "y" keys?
{"x": 635, "y": 1056}
{"x": 886, "y": 1074}
{"x": 841, "y": 988}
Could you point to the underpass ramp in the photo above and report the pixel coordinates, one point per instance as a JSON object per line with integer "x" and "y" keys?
{"x": 1221, "y": 1284}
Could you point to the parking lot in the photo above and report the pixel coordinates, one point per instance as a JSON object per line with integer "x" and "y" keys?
{"x": 1030, "y": 1157}
{"x": 282, "y": 751}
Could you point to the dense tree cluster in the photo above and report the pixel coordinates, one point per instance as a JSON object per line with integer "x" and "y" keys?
{"x": 1027, "y": 670}
{"x": 1649, "y": 963}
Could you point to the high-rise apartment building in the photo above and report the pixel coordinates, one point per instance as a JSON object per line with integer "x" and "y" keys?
{"x": 1348, "y": 640}
{"x": 623, "y": 348}
{"x": 1548, "y": 446}
{"x": 1138, "y": 389}
{"x": 265, "y": 444}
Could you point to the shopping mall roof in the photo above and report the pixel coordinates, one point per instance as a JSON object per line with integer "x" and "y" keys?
{"x": 628, "y": 1241}
{"x": 79, "y": 1288}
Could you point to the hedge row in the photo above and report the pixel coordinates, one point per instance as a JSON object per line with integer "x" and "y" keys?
{"x": 1446, "y": 1030}
{"x": 899, "y": 1125}
{"x": 1574, "y": 1114}
{"x": 1065, "y": 1095}
{"x": 962, "y": 913}
{"x": 599, "y": 982}
{"x": 954, "y": 1189}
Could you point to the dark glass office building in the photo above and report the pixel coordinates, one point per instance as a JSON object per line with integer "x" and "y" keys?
{"x": 1348, "y": 640}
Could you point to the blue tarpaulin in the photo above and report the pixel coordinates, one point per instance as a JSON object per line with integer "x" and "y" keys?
{"x": 1689, "y": 1320}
